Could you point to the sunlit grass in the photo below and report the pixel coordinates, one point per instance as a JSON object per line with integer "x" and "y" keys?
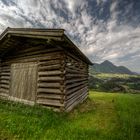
{"x": 103, "y": 116}
{"x": 111, "y": 75}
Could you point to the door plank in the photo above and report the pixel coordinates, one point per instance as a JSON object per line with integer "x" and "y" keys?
{"x": 23, "y": 80}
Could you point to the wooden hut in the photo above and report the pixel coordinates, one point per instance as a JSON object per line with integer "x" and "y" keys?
{"x": 42, "y": 66}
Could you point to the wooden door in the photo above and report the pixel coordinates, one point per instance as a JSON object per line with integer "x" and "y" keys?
{"x": 24, "y": 81}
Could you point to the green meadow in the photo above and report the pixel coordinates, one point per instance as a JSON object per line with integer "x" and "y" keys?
{"x": 103, "y": 116}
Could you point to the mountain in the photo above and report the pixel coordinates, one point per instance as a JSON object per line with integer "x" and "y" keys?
{"x": 108, "y": 67}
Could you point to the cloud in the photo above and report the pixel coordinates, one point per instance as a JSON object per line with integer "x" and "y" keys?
{"x": 103, "y": 29}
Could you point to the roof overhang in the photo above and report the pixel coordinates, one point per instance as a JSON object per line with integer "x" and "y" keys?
{"x": 47, "y": 34}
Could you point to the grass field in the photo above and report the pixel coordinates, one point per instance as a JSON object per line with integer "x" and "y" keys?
{"x": 103, "y": 116}
{"x": 109, "y": 75}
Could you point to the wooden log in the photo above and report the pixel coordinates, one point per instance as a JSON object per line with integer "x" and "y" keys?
{"x": 5, "y": 86}
{"x": 45, "y": 51}
{"x": 76, "y": 84}
{"x": 52, "y": 85}
{"x": 49, "y": 62}
{"x": 73, "y": 67}
{"x": 3, "y": 95}
{"x": 37, "y": 37}
{"x": 49, "y": 102}
{"x": 49, "y": 96}
{"x": 74, "y": 71}
{"x": 68, "y": 81}
{"x": 21, "y": 100}
{"x": 76, "y": 75}
{"x": 38, "y": 33}
{"x": 47, "y": 73}
{"x": 4, "y": 81}
{"x": 2, "y": 90}
{"x": 75, "y": 98}
{"x": 27, "y": 49}
{"x": 34, "y": 48}
{"x": 5, "y": 77}
{"x": 69, "y": 108}
{"x": 72, "y": 57}
{"x": 5, "y": 73}
{"x": 41, "y": 57}
{"x": 3, "y": 68}
{"x": 70, "y": 91}
{"x": 76, "y": 64}
{"x": 75, "y": 94}
{"x": 50, "y": 78}
{"x": 48, "y": 90}
{"x": 51, "y": 67}
{"x": 51, "y": 56}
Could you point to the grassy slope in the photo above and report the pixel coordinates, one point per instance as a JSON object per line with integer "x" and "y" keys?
{"x": 111, "y": 75}
{"x": 101, "y": 117}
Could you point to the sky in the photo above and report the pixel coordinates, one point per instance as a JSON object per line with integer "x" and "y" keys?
{"x": 102, "y": 29}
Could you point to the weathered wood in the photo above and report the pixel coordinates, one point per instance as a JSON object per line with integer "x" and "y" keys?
{"x": 5, "y": 70}
{"x": 49, "y": 96}
{"x": 50, "y": 102}
{"x": 74, "y": 71}
{"x": 47, "y": 73}
{"x": 49, "y": 62}
{"x": 61, "y": 77}
{"x": 40, "y": 57}
{"x": 75, "y": 94}
{"x": 52, "y": 85}
{"x": 76, "y": 75}
{"x": 23, "y": 77}
{"x": 68, "y": 81}
{"x": 76, "y": 99}
{"x": 28, "y": 102}
{"x": 73, "y": 67}
{"x": 5, "y": 73}
{"x": 70, "y": 91}
{"x": 30, "y": 47}
{"x": 51, "y": 67}
{"x": 2, "y": 90}
{"x": 3, "y": 95}
{"x": 4, "y": 81}
{"x": 36, "y": 52}
{"x": 76, "y": 84}
{"x": 48, "y": 90}
{"x": 3, "y": 77}
{"x": 79, "y": 100}
{"x": 48, "y": 78}
{"x": 37, "y": 32}
{"x": 38, "y": 37}
{"x": 5, "y": 86}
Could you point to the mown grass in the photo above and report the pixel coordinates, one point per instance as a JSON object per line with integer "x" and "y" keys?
{"x": 103, "y": 116}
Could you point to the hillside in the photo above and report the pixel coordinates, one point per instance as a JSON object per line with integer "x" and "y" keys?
{"x": 103, "y": 116}
{"x": 108, "y": 67}
{"x": 109, "y": 82}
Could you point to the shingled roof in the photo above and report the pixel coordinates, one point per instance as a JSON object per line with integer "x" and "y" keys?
{"x": 57, "y": 35}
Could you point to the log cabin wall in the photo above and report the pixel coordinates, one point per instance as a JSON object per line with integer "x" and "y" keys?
{"x": 76, "y": 81}
{"x": 4, "y": 80}
{"x": 50, "y": 72}
{"x": 42, "y": 66}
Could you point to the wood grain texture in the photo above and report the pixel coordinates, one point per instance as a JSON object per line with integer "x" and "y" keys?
{"x": 23, "y": 77}
{"x": 76, "y": 81}
{"x": 43, "y": 73}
